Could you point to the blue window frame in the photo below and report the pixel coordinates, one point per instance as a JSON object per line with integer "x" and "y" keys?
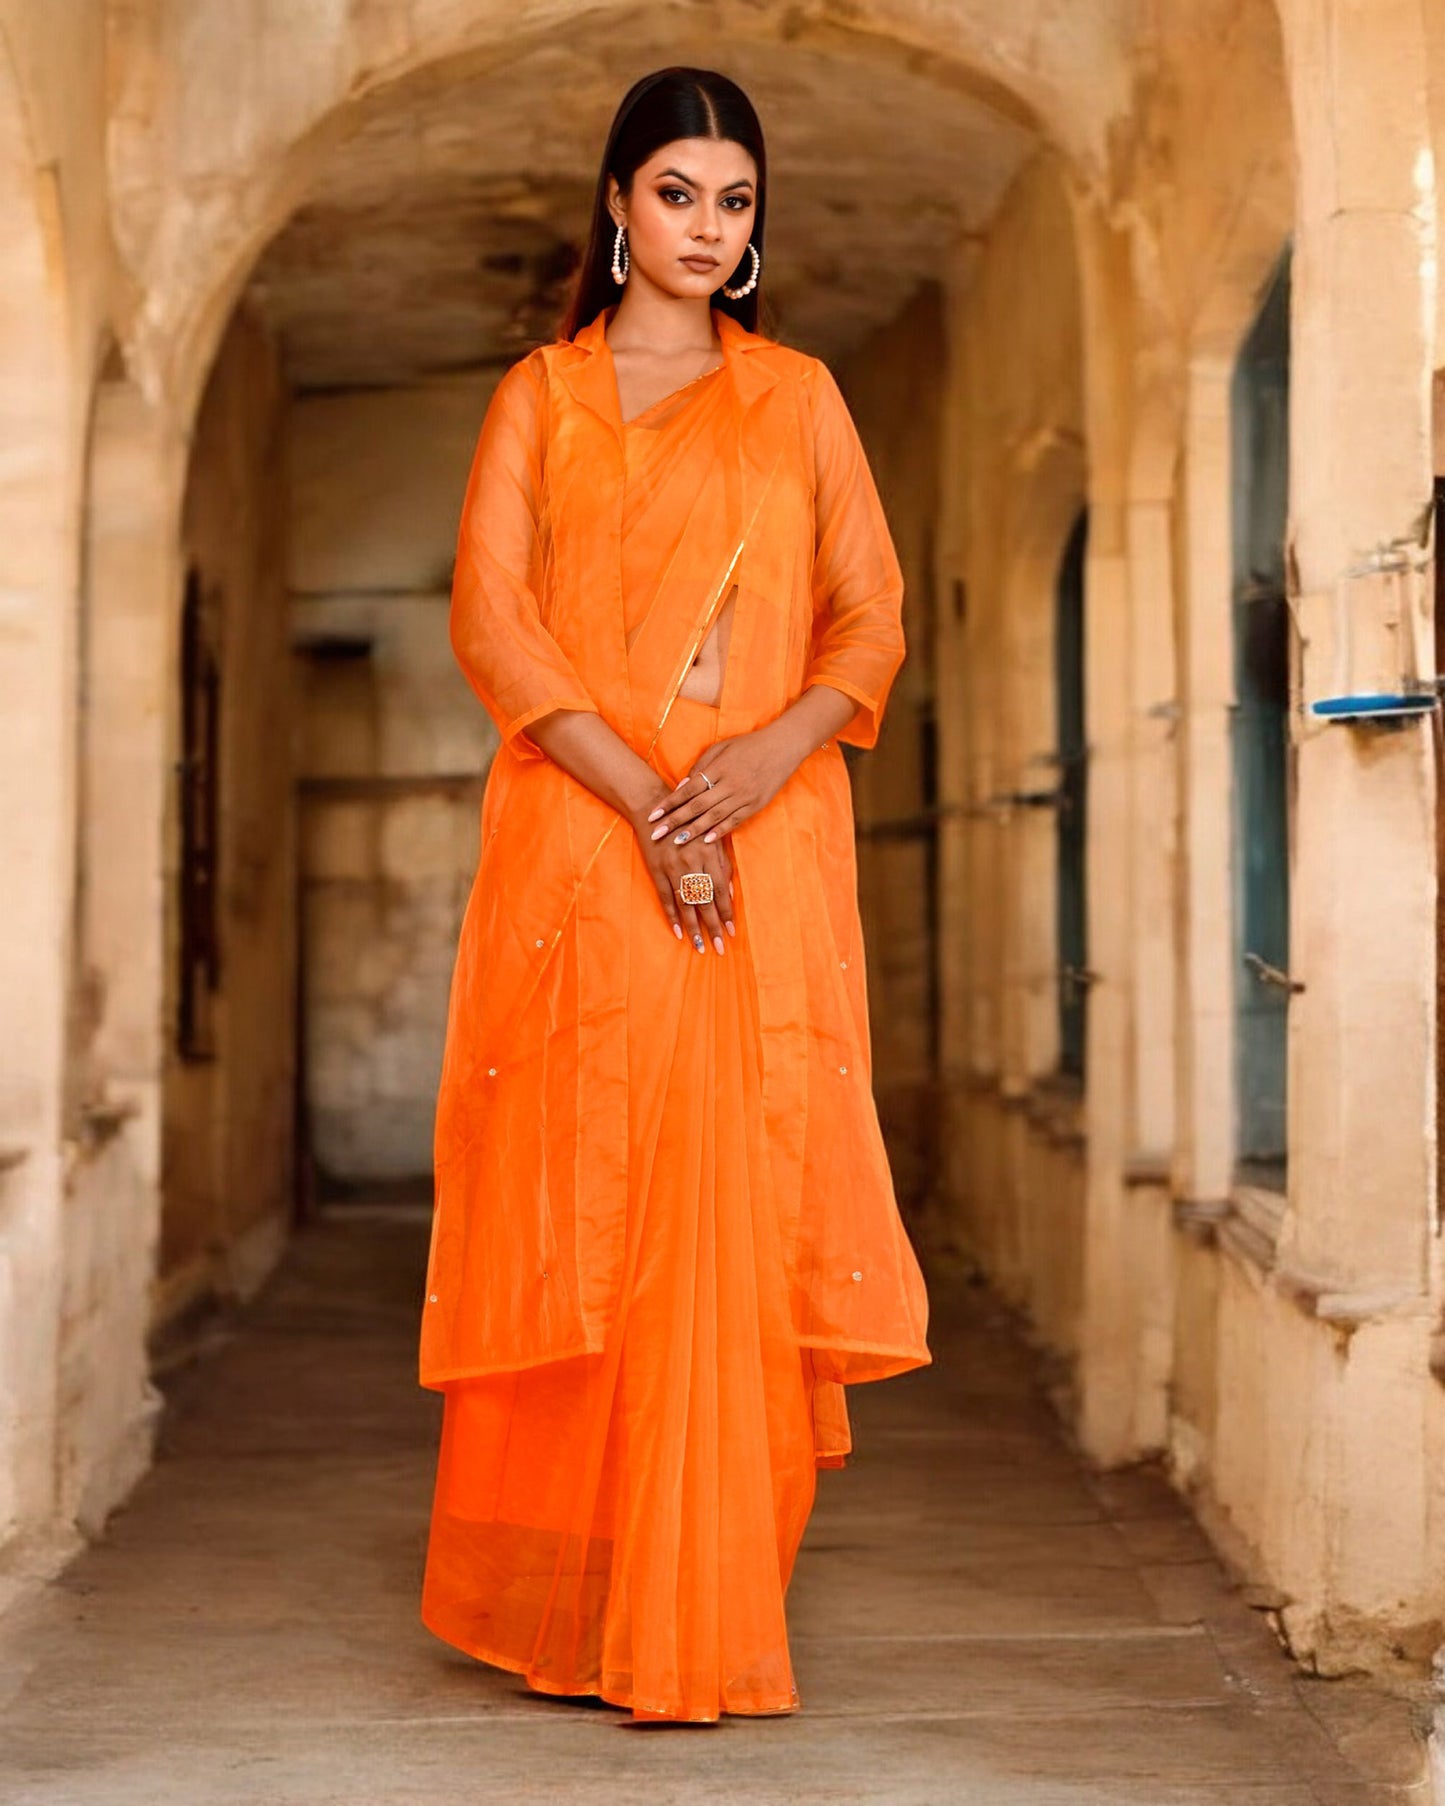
{"x": 1259, "y": 408}
{"x": 1071, "y": 925}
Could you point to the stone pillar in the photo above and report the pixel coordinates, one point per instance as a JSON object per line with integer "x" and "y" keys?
{"x": 1153, "y": 842}
{"x": 1108, "y": 1341}
{"x": 132, "y": 585}
{"x": 953, "y": 708}
{"x": 1203, "y": 1164}
{"x": 1125, "y": 1343}
{"x": 1362, "y": 1032}
{"x": 1355, "y": 1245}
{"x": 37, "y": 573}
{"x": 1153, "y": 834}
{"x": 960, "y": 829}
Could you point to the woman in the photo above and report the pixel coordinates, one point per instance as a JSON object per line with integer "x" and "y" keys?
{"x": 665, "y": 1233}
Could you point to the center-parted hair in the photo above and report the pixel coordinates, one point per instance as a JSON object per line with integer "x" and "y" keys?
{"x": 676, "y": 102}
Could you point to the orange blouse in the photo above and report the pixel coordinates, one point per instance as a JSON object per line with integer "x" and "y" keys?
{"x": 582, "y": 582}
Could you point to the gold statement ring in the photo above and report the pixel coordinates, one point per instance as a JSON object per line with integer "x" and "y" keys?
{"x": 695, "y": 887}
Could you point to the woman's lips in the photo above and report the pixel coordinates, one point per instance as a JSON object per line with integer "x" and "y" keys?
{"x": 700, "y": 263}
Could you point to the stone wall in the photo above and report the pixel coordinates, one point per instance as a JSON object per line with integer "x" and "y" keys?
{"x": 1013, "y": 484}
{"x": 56, "y": 276}
{"x": 1267, "y": 1348}
{"x": 394, "y": 751}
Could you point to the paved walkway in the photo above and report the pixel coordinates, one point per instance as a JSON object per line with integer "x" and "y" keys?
{"x": 976, "y": 1619}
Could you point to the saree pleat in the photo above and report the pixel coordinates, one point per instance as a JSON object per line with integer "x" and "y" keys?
{"x": 625, "y": 1524}
{"x": 642, "y": 1305}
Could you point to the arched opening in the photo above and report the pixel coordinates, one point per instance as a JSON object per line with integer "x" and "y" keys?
{"x": 431, "y": 249}
{"x": 227, "y": 1157}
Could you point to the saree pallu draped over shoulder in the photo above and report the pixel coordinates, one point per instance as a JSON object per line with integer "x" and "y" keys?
{"x": 662, "y": 1195}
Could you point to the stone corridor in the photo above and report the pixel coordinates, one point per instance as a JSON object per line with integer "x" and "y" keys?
{"x": 977, "y": 1617}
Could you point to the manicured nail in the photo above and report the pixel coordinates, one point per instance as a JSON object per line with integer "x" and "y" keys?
{"x": 678, "y": 839}
{"x": 677, "y": 929}
{"x": 656, "y": 812}
{"x": 698, "y": 942}
{"x": 710, "y": 835}
{"x": 717, "y": 941}
{"x": 657, "y": 833}
{"x": 730, "y": 928}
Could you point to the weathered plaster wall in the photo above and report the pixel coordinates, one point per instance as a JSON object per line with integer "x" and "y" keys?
{"x": 55, "y": 269}
{"x": 1338, "y": 1311}
{"x": 1175, "y": 279}
{"x": 395, "y": 749}
{"x": 1012, "y": 485}
{"x": 227, "y": 1158}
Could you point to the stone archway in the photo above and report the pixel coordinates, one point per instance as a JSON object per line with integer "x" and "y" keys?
{"x": 193, "y": 239}
{"x": 193, "y": 243}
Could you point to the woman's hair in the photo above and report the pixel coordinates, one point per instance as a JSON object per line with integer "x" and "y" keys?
{"x": 670, "y": 103}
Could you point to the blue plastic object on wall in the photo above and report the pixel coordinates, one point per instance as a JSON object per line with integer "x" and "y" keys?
{"x": 1378, "y": 706}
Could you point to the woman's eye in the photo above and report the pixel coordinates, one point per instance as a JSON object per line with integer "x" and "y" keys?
{"x": 735, "y": 203}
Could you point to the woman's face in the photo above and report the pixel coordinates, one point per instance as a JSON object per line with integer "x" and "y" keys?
{"x": 690, "y": 214}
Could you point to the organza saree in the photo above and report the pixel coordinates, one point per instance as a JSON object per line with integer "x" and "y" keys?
{"x": 665, "y": 1235}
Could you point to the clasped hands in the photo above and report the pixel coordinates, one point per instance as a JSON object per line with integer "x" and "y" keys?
{"x": 685, "y": 829}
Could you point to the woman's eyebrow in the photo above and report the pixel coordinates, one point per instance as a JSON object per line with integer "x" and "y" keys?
{"x": 692, "y": 182}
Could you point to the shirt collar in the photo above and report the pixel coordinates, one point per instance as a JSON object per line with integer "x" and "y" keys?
{"x": 594, "y": 383}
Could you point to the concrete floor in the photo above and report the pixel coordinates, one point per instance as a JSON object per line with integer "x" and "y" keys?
{"x": 976, "y": 1618}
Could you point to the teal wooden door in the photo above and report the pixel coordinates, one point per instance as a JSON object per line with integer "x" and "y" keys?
{"x": 1261, "y": 744}
{"x": 1072, "y": 922}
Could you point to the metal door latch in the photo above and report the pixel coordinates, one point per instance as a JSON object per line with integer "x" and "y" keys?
{"x": 1271, "y": 975}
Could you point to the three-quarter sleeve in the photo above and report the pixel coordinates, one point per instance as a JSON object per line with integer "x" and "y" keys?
{"x": 858, "y": 642}
{"x": 509, "y": 658}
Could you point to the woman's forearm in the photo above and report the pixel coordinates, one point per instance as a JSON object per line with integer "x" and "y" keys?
{"x": 818, "y": 714}
{"x": 596, "y": 755}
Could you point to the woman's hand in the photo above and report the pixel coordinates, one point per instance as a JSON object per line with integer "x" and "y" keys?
{"x": 746, "y": 772}
{"x": 667, "y": 863}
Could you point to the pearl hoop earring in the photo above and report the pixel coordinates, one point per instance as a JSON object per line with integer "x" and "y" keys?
{"x": 736, "y": 294}
{"x": 619, "y": 249}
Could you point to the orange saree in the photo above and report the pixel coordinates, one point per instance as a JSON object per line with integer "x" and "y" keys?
{"x": 665, "y": 1235}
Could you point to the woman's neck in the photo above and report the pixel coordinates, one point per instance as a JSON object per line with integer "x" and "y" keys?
{"x": 664, "y": 325}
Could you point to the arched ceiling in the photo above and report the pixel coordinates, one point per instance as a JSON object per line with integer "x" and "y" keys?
{"x": 441, "y": 232}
